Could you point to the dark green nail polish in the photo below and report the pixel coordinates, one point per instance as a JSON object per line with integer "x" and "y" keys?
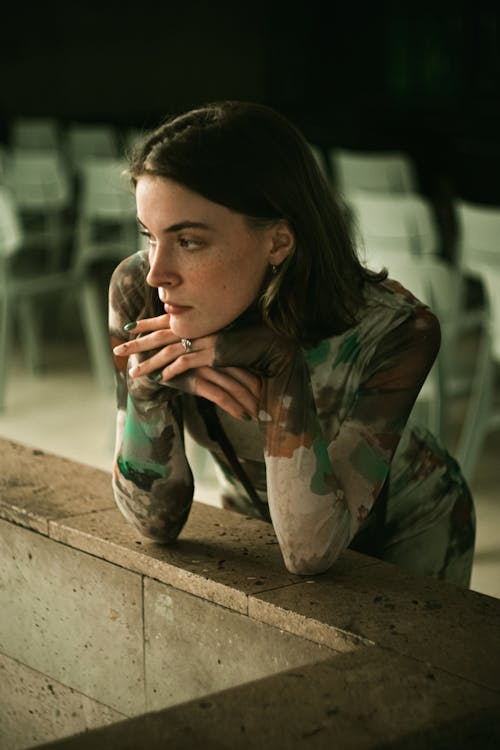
{"x": 130, "y": 326}
{"x": 246, "y": 416}
{"x": 157, "y": 377}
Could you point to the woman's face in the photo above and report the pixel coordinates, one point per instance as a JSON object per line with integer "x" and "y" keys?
{"x": 206, "y": 262}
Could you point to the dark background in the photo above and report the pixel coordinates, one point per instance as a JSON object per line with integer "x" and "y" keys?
{"x": 423, "y": 78}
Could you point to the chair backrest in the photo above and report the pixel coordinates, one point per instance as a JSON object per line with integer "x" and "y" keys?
{"x": 478, "y": 234}
{"x": 35, "y": 133}
{"x": 88, "y": 140}
{"x": 105, "y": 192}
{"x": 38, "y": 179}
{"x": 106, "y": 212}
{"x": 11, "y": 234}
{"x": 388, "y": 221}
{"x": 405, "y": 268}
{"x": 491, "y": 282}
{"x": 388, "y": 171}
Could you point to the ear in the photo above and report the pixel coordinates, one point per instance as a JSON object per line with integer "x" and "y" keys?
{"x": 283, "y": 243}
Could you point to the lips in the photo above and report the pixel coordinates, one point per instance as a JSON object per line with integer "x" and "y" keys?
{"x": 174, "y": 309}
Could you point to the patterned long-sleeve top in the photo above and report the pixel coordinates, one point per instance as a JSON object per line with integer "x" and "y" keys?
{"x": 332, "y": 426}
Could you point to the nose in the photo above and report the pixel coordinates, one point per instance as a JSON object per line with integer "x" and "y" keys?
{"x": 161, "y": 270}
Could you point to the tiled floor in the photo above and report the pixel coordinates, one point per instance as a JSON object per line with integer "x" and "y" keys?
{"x": 63, "y": 412}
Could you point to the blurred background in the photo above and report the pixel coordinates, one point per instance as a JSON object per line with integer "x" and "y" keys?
{"x": 414, "y": 87}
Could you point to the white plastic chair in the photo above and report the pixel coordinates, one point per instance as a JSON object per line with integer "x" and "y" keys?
{"x": 439, "y": 284}
{"x": 479, "y": 234}
{"x": 479, "y": 257}
{"x": 404, "y": 222}
{"x": 38, "y": 133}
{"x": 20, "y": 284}
{"x": 106, "y": 232}
{"x": 112, "y": 207}
{"x": 106, "y": 224}
{"x": 41, "y": 187}
{"x": 385, "y": 171}
{"x": 85, "y": 141}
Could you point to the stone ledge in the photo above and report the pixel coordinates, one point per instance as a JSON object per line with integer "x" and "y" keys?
{"x": 368, "y": 699}
{"x": 37, "y": 487}
{"x": 235, "y": 562}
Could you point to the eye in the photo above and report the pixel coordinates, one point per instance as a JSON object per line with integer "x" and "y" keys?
{"x": 188, "y": 243}
{"x": 149, "y": 239}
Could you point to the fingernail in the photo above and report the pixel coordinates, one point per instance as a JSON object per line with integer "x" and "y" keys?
{"x": 130, "y": 326}
{"x": 246, "y": 416}
{"x": 157, "y": 377}
{"x": 133, "y": 371}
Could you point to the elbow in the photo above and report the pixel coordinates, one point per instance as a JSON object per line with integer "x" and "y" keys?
{"x": 315, "y": 552}
{"x": 309, "y": 564}
{"x": 159, "y": 521}
{"x": 161, "y": 533}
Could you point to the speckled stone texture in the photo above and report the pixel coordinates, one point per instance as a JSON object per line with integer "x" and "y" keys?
{"x": 36, "y": 708}
{"x": 364, "y": 656}
{"x": 369, "y": 699}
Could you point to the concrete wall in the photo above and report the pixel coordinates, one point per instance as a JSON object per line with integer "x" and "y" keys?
{"x": 84, "y": 642}
{"x": 100, "y": 627}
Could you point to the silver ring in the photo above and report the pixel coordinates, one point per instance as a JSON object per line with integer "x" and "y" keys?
{"x": 187, "y": 344}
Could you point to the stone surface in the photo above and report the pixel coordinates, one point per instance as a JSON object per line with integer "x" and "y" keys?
{"x": 36, "y": 487}
{"x": 73, "y": 617}
{"x": 36, "y": 708}
{"x": 220, "y": 556}
{"x": 421, "y": 664}
{"x": 368, "y": 699}
{"x": 194, "y": 648}
{"x": 453, "y": 628}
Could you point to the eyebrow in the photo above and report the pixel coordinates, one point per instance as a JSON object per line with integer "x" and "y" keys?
{"x": 179, "y": 226}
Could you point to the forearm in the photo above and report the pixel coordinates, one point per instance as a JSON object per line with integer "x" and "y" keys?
{"x": 310, "y": 514}
{"x": 152, "y": 481}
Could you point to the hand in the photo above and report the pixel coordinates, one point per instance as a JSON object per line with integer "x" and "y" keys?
{"x": 234, "y": 389}
{"x": 155, "y": 335}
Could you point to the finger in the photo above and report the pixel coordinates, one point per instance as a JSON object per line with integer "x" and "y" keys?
{"x": 146, "y": 343}
{"x": 250, "y": 380}
{"x": 158, "y": 361}
{"x": 221, "y": 398}
{"x": 227, "y": 392}
{"x": 145, "y": 325}
{"x": 188, "y": 361}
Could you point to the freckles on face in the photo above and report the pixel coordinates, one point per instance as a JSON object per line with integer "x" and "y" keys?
{"x": 206, "y": 262}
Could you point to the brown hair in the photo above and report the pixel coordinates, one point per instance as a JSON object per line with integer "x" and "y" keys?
{"x": 253, "y": 160}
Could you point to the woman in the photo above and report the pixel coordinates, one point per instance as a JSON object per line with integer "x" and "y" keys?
{"x": 250, "y": 321}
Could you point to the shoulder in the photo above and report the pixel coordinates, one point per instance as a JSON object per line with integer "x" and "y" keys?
{"x": 130, "y": 270}
{"x": 127, "y": 285}
{"x": 390, "y": 306}
{"x": 391, "y": 319}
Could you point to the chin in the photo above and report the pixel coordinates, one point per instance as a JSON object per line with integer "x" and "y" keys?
{"x": 186, "y": 331}
{"x": 192, "y": 330}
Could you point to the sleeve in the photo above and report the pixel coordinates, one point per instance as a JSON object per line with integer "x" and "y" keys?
{"x": 152, "y": 481}
{"x": 321, "y": 489}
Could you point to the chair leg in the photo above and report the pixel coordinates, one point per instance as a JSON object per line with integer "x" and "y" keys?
{"x": 96, "y": 334}
{"x": 30, "y": 335}
{"x": 477, "y": 419}
{"x": 5, "y": 336}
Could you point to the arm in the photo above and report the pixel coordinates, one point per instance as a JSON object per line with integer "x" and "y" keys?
{"x": 322, "y": 482}
{"x": 152, "y": 481}
{"x": 322, "y": 487}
